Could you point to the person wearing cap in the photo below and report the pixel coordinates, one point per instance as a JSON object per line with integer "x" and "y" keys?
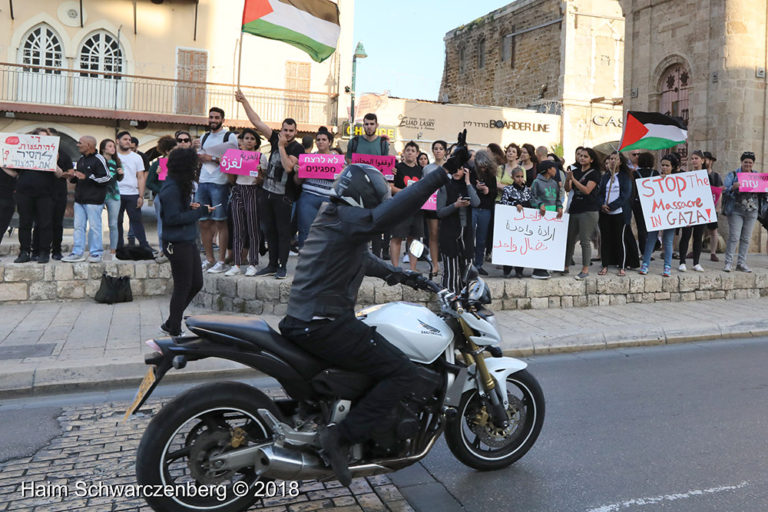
{"x": 715, "y": 180}
{"x": 741, "y": 208}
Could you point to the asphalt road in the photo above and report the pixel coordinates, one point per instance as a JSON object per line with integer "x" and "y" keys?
{"x": 676, "y": 428}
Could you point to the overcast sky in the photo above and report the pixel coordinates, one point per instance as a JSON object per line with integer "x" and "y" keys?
{"x": 404, "y": 42}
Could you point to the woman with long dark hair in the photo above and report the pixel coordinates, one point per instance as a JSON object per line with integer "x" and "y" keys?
{"x": 695, "y": 163}
{"x": 484, "y": 180}
{"x": 583, "y": 207}
{"x": 108, "y": 150}
{"x": 528, "y": 162}
{"x": 180, "y": 217}
{"x": 618, "y": 246}
{"x": 506, "y": 171}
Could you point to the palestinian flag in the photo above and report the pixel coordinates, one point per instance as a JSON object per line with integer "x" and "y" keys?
{"x": 310, "y": 25}
{"x": 651, "y": 130}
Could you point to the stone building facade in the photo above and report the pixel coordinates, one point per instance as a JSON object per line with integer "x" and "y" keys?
{"x": 705, "y": 61}
{"x": 554, "y": 56}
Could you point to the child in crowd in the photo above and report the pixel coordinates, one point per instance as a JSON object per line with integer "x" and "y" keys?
{"x": 519, "y": 195}
{"x": 545, "y": 195}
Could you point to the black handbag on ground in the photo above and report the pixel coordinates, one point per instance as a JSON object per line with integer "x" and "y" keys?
{"x": 114, "y": 289}
{"x": 134, "y": 253}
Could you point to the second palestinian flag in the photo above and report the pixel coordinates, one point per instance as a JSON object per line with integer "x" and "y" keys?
{"x": 651, "y": 130}
{"x": 310, "y": 25}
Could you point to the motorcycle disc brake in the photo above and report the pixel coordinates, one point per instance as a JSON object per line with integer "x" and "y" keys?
{"x": 207, "y": 445}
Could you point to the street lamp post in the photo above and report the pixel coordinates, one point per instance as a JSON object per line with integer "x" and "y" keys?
{"x": 359, "y": 54}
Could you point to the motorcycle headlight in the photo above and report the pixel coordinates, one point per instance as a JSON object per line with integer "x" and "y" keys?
{"x": 479, "y": 292}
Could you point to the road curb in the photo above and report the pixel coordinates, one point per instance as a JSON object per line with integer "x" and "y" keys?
{"x": 39, "y": 381}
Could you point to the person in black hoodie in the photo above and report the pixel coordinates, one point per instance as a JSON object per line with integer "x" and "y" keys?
{"x": 180, "y": 217}
{"x": 92, "y": 178}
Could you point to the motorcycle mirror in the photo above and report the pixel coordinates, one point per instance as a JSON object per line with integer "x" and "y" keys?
{"x": 416, "y": 248}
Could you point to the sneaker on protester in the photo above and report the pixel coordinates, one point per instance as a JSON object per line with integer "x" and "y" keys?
{"x": 161, "y": 258}
{"x": 743, "y": 268}
{"x": 281, "y": 273}
{"x": 727, "y": 267}
{"x": 218, "y": 268}
{"x": 698, "y": 268}
{"x": 206, "y": 265}
{"x": 644, "y": 269}
{"x": 94, "y": 259}
{"x": 73, "y": 258}
{"x": 540, "y": 274}
{"x": 266, "y": 271}
{"x": 667, "y": 271}
{"x": 682, "y": 267}
{"x": 251, "y": 271}
{"x": 234, "y": 271}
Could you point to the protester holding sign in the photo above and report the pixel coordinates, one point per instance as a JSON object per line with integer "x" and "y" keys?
{"x": 60, "y": 192}
{"x": 407, "y": 173}
{"x": 669, "y": 165}
{"x": 245, "y": 221}
{"x": 546, "y": 196}
{"x": 741, "y": 208}
{"x": 716, "y": 182}
{"x": 645, "y": 169}
{"x": 7, "y": 201}
{"x": 108, "y": 150}
{"x": 618, "y": 246}
{"x": 455, "y": 201}
{"x": 583, "y": 207}
{"x": 35, "y": 191}
{"x": 518, "y": 195}
{"x": 695, "y": 163}
{"x": 314, "y": 191}
{"x": 280, "y": 192}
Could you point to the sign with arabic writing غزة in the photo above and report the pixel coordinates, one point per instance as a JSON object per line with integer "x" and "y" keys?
{"x": 23, "y": 151}
{"x": 526, "y": 239}
{"x": 242, "y": 163}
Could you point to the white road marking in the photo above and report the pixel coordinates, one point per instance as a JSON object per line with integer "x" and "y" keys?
{"x": 667, "y": 497}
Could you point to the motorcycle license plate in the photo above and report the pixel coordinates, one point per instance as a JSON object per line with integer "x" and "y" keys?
{"x": 144, "y": 389}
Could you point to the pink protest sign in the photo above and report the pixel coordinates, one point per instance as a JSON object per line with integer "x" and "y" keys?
{"x": 431, "y": 203}
{"x": 716, "y": 193}
{"x": 386, "y": 163}
{"x": 324, "y": 167}
{"x": 162, "y": 169}
{"x": 753, "y": 181}
{"x": 243, "y": 163}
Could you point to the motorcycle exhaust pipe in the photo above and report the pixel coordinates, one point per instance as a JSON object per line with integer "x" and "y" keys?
{"x": 285, "y": 464}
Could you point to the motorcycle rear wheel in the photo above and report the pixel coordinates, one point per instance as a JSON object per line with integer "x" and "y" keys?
{"x": 477, "y": 443}
{"x": 180, "y": 439}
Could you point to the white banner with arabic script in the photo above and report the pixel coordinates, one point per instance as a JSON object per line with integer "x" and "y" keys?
{"x": 526, "y": 239}
{"x": 22, "y": 151}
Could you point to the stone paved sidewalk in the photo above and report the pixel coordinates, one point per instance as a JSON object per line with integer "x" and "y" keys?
{"x": 56, "y": 346}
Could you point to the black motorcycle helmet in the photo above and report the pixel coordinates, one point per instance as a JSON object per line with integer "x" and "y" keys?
{"x": 361, "y": 185}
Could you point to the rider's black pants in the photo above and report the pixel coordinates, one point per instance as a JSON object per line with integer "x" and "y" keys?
{"x": 348, "y": 343}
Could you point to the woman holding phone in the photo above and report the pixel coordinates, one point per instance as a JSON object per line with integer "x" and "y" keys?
{"x": 180, "y": 217}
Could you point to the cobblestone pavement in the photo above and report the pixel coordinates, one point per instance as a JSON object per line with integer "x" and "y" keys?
{"x": 96, "y": 448}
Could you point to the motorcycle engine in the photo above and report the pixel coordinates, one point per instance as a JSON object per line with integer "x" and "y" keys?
{"x": 402, "y": 422}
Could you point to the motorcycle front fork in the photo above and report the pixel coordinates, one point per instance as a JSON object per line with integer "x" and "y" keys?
{"x": 486, "y": 383}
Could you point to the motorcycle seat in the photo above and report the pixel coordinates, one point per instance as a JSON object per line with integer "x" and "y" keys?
{"x": 257, "y": 332}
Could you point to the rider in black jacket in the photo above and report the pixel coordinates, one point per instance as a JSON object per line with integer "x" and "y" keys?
{"x": 333, "y": 262}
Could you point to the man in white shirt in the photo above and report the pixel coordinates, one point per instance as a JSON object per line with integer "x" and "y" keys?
{"x": 214, "y": 190}
{"x": 131, "y": 190}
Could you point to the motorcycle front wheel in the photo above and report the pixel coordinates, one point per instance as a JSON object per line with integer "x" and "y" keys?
{"x": 477, "y": 442}
{"x": 173, "y": 457}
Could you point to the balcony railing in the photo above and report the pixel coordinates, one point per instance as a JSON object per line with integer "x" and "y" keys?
{"x": 82, "y": 89}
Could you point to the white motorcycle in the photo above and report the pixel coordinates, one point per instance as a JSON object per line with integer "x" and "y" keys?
{"x": 221, "y": 446}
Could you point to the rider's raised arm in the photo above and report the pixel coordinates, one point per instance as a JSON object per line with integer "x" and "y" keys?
{"x": 407, "y": 202}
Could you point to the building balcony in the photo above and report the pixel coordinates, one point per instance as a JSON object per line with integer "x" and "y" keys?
{"x": 114, "y": 96}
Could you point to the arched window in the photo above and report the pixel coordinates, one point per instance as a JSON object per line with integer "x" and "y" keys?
{"x": 674, "y": 87}
{"x": 481, "y": 54}
{"x": 101, "y": 53}
{"x": 462, "y": 59}
{"x": 42, "y": 47}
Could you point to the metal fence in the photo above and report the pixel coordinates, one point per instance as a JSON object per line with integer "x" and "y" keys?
{"x": 111, "y": 91}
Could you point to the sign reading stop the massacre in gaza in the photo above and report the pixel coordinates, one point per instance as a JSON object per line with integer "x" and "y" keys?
{"x": 676, "y": 200}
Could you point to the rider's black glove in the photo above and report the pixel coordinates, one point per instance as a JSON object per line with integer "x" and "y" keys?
{"x": 415, "y": 280}
{"x": 460, "y": 154}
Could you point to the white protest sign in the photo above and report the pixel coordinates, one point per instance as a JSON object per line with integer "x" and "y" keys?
{"x": 22, "y": 151}
{"x": 526, "y": 239}
{"x": 676, "y": 200}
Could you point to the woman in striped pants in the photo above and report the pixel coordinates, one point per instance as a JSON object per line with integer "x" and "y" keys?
{"x": 244, "y": 218}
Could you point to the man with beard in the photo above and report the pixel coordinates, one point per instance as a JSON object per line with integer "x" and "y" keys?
{"x": 371, "y": 144}
{"x": 213, "y": 190}
{"x": 279, "y": 187}
{"x": 131, "y": 190}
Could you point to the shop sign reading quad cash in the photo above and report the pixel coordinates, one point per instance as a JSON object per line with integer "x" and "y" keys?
{"x": 676, "y": 200}
{"x": 23, "y": 151}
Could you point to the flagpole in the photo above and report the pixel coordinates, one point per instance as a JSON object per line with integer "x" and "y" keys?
{"x": 239, "y": 65}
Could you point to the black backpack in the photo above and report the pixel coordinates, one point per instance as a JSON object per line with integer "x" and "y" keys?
{"x": 353, "y": 143}
{"x": 205, "y": 137}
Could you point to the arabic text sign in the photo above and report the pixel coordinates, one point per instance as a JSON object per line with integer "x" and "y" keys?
{"x": 162, "y": 169}
{"x": 526, "y": 239}
{"x": 386, "y": 163}
{"x": 243, "y": 163}
{"x": 753, "y": 181}
{"x": 676, "y": 200}
{"x": 431, "y": 203}
{"x": 324, "y": 167}
{"x": 22, "y": 151}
